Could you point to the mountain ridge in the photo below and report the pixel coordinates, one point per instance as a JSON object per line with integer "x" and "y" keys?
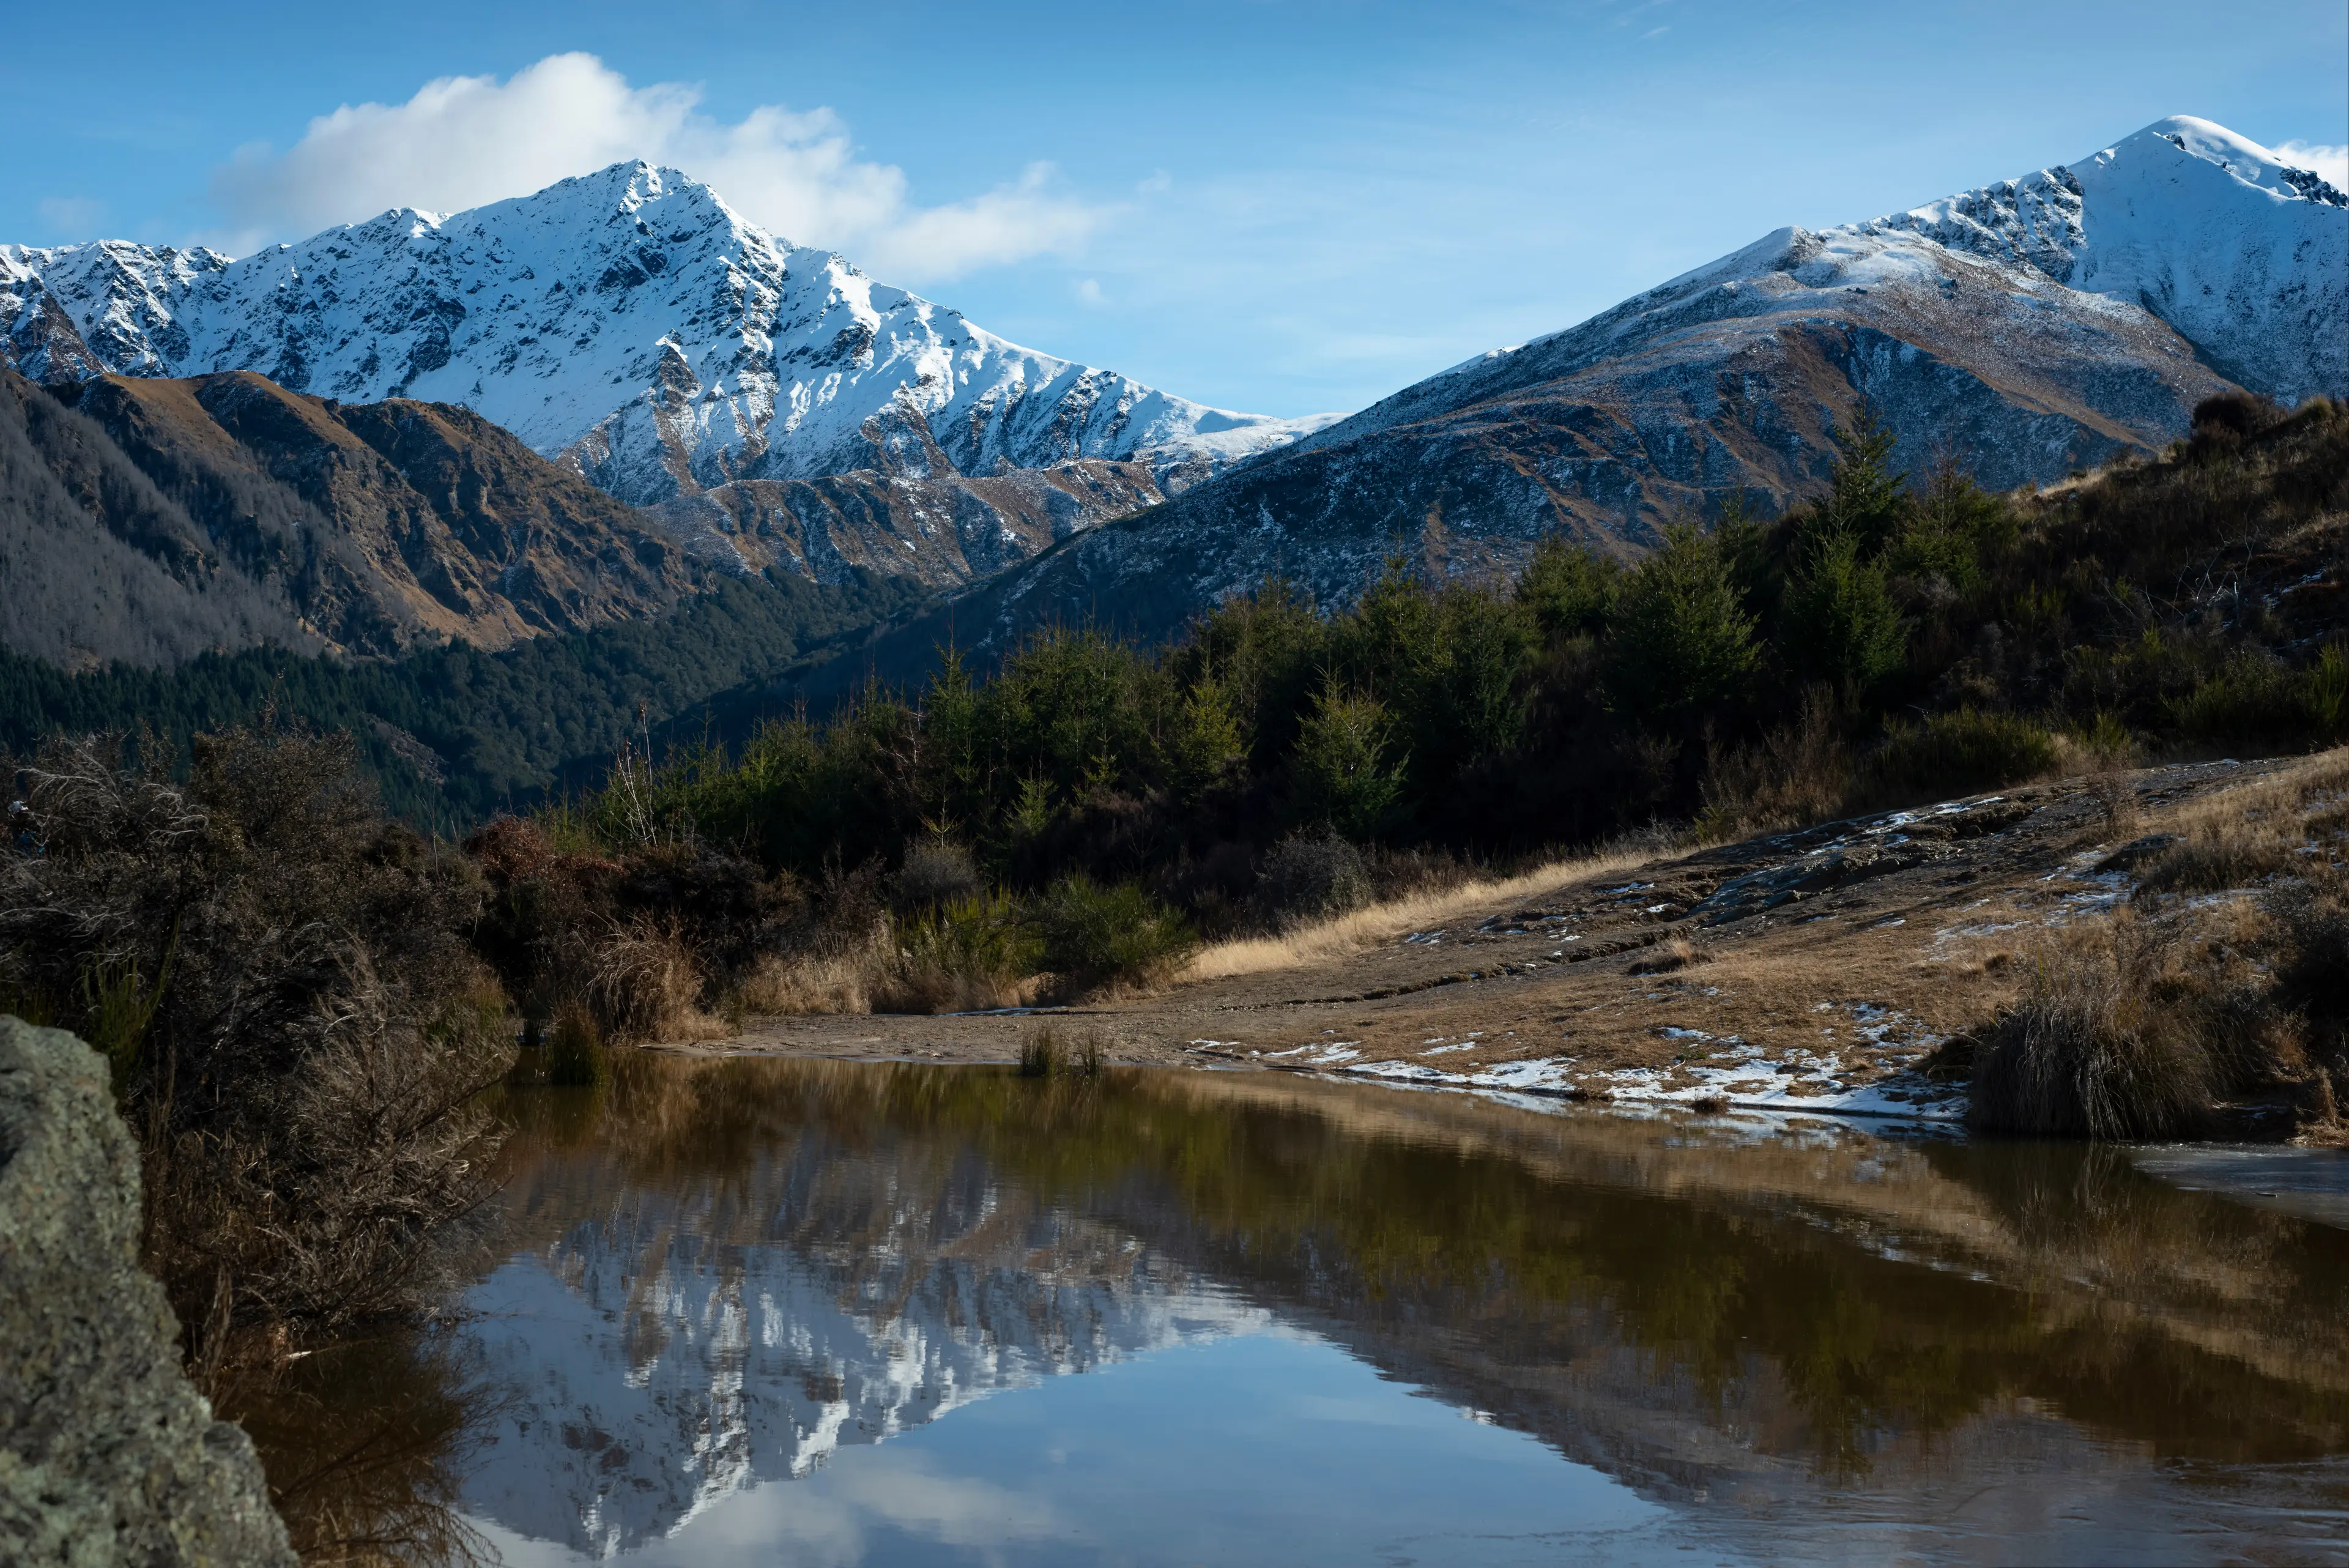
{"x": 629, "y": 322}
{"x": 1734, "y": 381}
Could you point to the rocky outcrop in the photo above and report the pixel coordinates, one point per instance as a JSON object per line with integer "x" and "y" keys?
{"x": 106, "y": 1454}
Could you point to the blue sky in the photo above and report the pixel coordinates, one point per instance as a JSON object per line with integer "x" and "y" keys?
{"x": 1272, "y": 206}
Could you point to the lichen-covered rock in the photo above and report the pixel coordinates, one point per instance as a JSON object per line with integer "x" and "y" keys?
{"x": 106, "y": 1454}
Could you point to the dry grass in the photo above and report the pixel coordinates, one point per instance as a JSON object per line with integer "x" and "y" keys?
{"x": 1342, "y": 935}
{"x": 2136, "y": 1026}
{"x": 644, "y": 985}
{"x": 1673, "y": 956}
{"x": 926, "y": 985}
{"x": 2098, "y": 1045}
{"x": 1046, "y": 1051}
{"x": 2235, "y": 837}
{"x": 810, "y": 983}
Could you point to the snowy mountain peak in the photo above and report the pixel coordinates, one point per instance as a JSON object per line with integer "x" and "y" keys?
{"x": 627, "y": 321}
{"x": 2238, "y": 156}
{"x": 2211, "y": 236}
{"x": 2245, "y": 256}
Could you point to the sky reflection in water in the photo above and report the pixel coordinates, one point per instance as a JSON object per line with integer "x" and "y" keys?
{"x": 840, "y": 1313}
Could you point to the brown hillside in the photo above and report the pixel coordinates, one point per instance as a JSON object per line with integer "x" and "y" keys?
{"x": 389, "y": 525}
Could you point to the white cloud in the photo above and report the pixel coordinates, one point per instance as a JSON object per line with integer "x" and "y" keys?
{"x": 2333, "y": 162}
{"x": 464, "y": 140}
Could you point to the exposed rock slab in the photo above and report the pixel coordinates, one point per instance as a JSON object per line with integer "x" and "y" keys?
{"x": 106, "y": 1454}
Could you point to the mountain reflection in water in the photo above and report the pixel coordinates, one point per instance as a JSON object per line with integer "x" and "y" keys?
{"x": 723, "y": 1280}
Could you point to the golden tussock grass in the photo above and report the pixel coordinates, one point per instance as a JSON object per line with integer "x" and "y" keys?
{"x": 804, "y": 983}
{"x": 1343, "y": 935}
{"x": 2236, "y": 836}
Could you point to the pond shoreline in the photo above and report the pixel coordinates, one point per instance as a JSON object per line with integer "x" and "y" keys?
{"x": 1839, "y": 969}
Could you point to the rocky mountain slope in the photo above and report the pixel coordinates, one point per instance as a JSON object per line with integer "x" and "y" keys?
{"x": 160, "y": 518}
{"x": 2022, "y": 330}
{"x": 626, "y": 321}
{"x": 151, "y": 520}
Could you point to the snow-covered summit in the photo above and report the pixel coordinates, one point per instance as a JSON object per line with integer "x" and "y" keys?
{"x": 2245, "y": 255}
{"x": 628, "y": 320}
{"x": 2184, "y": 225}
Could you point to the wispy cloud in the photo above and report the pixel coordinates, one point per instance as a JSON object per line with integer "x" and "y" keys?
{"x": 463, "y": 140}
{"x": 2333, "y": 162}
{"x": 72, "y": 217}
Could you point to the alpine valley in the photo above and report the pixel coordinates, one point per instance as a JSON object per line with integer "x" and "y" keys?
{"x": 595, "y": 407}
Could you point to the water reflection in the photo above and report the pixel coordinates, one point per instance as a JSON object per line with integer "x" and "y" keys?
{"x": 725, "y": 1281}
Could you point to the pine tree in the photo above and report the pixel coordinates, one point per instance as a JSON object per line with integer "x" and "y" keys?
{"x": 1680, "y": 638}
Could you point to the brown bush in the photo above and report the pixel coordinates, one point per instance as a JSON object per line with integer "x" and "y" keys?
{"x": 1800, "y": 773}
{"x": 643, "y": 984}
{"x": 650, "y": 941}
{"x": 297, "y": 1027}
{"x": 2088, "y": 1050}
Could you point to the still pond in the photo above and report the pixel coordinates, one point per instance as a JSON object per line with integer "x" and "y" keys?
{"x": 757, "y": 1312}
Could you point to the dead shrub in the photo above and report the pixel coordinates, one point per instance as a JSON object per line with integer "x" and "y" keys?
{"x": 309, "y": 1030}
{"x": 2124, "y": 1030}
{"x": 1671, "y": 957}
{"x": 1311, "y": 877}
{"x": 642, "y": 984}
{"x": 1800, "y": 773}
{"x": 936, "y": 873}
{"x": 1419, "y": 872}
{"x": 2113, "y": 804}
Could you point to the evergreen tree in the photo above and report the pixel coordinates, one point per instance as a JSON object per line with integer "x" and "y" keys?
{"x": 1681, "y": 640}
{"x": 1865, "y": 498}
{"x": 1340, "y": 765}
{"x": 1840, "y": 616}
{"x": 1569, "y": 591}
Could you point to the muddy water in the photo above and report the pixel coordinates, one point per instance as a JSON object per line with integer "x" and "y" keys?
{"x": 795, "y": 1313}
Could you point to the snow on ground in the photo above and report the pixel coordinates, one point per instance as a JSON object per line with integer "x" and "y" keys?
{"x": 1733, "y": 1071}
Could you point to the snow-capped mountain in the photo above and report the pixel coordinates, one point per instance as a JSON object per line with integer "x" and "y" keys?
{"x": 2245, "y": 258}
{"x": 628, "y": 321}
{"x": 673, "y": 1344}
{"x": 2023, "y": 329}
